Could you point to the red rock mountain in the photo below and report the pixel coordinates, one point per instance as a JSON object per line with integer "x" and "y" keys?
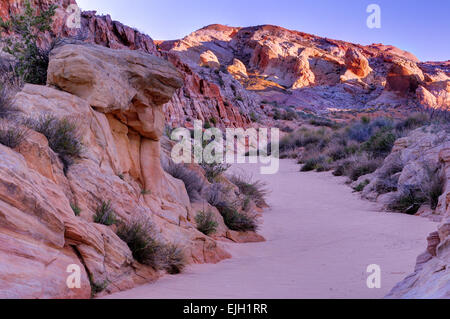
{"x": 310, "y": 72}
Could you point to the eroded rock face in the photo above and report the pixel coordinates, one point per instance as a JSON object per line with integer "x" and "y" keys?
{"x": 357, "y": 63}
{"x": 431, "y": 278}
{"x": 307, "y": 71}
{"x": 120, "y": 163}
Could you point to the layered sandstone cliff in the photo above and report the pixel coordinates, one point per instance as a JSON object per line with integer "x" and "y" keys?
{"x": 116, "y": 97}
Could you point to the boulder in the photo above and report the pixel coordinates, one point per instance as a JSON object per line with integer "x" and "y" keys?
{"x": 357, "y": 63}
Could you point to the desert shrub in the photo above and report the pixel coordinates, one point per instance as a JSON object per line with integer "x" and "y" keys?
{"x": 206, "y": 223}
{"x": 342, "y": 167}
{"x": 362, "y": 167}
{"x": 31, "y": 60}
{"x": 408, "y": 200}
{"x": 254, "y": 190}
{"x": 386, "y": 185}
{"x": 434, "y": 184}
{"x": 290, "y": 115}
{"x": 382, "y": 123}
{"x": 234, "y": 220}
{"x": 324, "y": 123}
{"x": 312, "y": 163}
{"x": 304, "y": 138}
{"x": 359, "y": 132}
{"x": 381, "y": 143}
{"x": 76, "y": 209}
{"x": 214, "y": 194}
{"x": 105, "y": 214}
{"x": 412, "y": 122}
{"x": 62, "y": 135}
{"x": 12, "y": 135}
{"x": 360, "y": 187}
{"x": 141, "y": 237}
{"x": 97, "y": 287}
{"x": 338, "y": 152}
{"x": 214, "y": 170}
{"x": 6, "y": 107}
{"x": 173, "y": 257}
{"x": 192, "y": 180}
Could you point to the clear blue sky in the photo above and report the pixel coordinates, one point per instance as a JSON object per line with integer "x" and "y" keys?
{"x": 419, "y": 26}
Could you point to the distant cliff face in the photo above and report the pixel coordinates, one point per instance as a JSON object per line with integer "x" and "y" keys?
{"x": 309, "y": 72}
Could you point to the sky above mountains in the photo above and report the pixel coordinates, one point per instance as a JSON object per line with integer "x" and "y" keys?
{"x": 421, "y": 27}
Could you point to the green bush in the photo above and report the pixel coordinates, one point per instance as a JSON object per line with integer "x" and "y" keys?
{"x": 312, "y": 163}
{"x": 12, "y": 135}
{"x": 62, "y": 135}
{"x": 360, "y": 187}
{"x": 381, "y": 143}
{"x": 234, "y": 220}
{"x": 363, "y": 167}
{"x": 206, "y": 223}
{"x": 105, "y": 214}
{"x": 76, "y": 209}
{"x": 31, "y": 60}
{"x": 141, "y": 237}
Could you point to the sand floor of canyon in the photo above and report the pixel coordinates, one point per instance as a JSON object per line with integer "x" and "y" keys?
{"x": 320, "y": 239}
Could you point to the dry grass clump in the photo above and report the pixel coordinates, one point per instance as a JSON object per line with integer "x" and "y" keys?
{"x": 63, "y": 136}
{"x": 12, "y": 134}
{"x": 213, "y": 171}
{"x": 206, "y": 223}
{"x": 105, "y": 214}
{"x": 235, "y": 220}
{"x": 141, "y": 237}
{"x": 254, "y": 190}
{"x": 193, "y": 182}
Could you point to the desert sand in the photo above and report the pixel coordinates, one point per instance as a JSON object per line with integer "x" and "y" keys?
{"x": 320, "y": 239}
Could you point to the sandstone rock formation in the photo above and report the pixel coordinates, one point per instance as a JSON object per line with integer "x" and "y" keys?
{"x": 408, "y": 167}
{"x": 309, "y": 72}
{"x": 121, "y": 157}
{"x": 431, "y": 278}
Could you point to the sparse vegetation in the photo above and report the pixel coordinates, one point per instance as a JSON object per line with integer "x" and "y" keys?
{"x": 141, "y": 237}
{"x": 235, "y": 220}
{"x": 105, "y": 214}
{"x": 411, "y": 197}
{"x": 98, "y": 287}
{"x": 214, "y": 194}
{"x": 6, "y": 107}
{"x": 76, "y": 209}
{"x": 254, "y": 190}
{"x": 62, "y": 135}
{"x": 408, "y": 201}
{"x": 193, "y": 182}
{"x": 12, "y": 134}
{"x": 31, "y": 60}
{"x": 206, "y": 223}
{"x": 360, "y": 187}
{"x": 214, "y": 170}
